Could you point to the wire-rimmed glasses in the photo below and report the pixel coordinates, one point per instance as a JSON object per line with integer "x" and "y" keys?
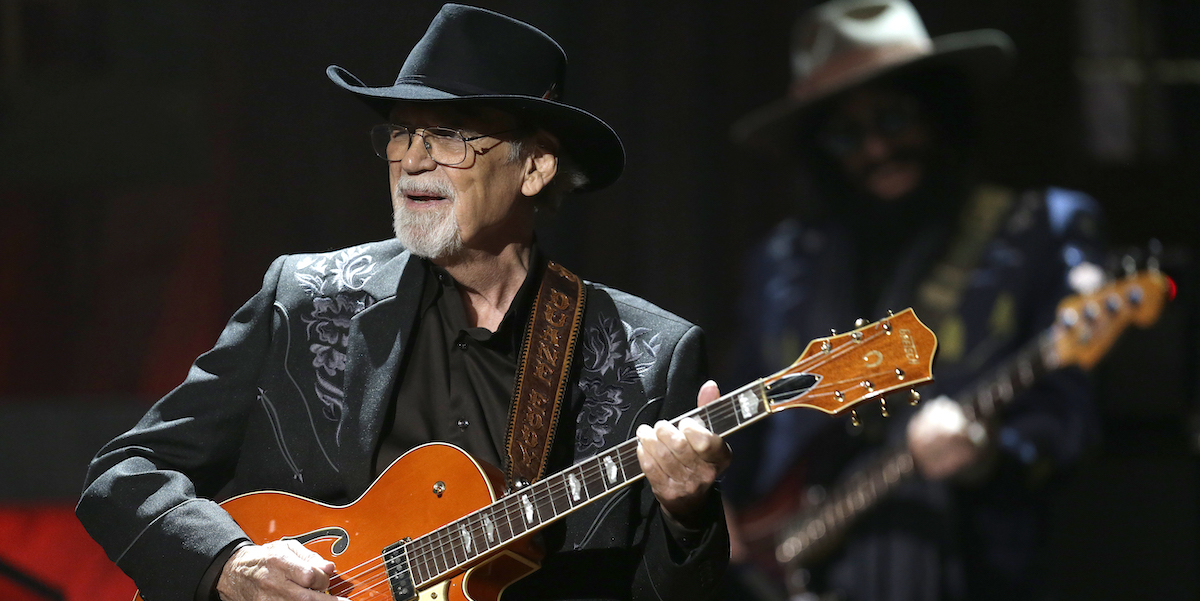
{"x": 446, "y": 146}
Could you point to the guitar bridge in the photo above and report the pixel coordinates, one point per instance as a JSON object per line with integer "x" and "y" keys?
{"x": 399, "y": 576}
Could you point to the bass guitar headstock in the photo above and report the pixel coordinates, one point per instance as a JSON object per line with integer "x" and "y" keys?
{"x": 838, "y": 372}
{"x": 1087, "y": 325}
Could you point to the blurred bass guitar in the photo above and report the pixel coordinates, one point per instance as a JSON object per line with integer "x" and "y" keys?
{"x": 1085, "y": 328}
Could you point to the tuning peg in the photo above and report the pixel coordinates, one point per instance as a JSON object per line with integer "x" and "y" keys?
{"x": 1129, "y": 265}
{"x": 854, "y": 418}
{"x": 860, "y": 322}
{"x": 913, "y": 396}
{"x": 883, "y": 407}
{"x": 832, "y": 332}
{"x": 1156, "y": 251}
{"x": 890, "y": 314}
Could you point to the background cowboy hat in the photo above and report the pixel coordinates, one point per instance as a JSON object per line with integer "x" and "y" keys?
{"x": 844, "y": 44}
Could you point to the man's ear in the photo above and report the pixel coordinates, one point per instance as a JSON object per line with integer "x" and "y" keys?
{"x": 540, "y": 167}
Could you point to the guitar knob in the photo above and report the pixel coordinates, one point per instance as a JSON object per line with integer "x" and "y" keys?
{"x": 854, "y": 418}
{"x": 883, "y": 407}
{"x": 913, "y": 396}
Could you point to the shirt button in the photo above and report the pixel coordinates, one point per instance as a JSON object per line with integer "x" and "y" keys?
{"x": 463, "y": 423}
{"x": 462, "y": 345}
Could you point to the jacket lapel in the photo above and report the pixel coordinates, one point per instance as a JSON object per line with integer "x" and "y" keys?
{"x": 375, "y": 347}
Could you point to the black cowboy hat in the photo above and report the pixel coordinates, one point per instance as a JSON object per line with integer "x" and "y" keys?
{"x": 474, "y": 55}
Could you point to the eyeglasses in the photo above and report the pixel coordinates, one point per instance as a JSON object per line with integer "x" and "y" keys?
{"x": 445, "y": 146}
{"x": 843, "y": 136}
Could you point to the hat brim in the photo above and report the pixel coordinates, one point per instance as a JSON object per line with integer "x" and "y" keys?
{"x": 587, "y": 139}
{"x": 984, "y": 55}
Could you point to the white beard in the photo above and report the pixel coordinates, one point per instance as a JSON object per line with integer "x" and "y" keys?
{"x": 428, "y": 233}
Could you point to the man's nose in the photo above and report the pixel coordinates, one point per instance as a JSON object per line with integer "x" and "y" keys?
{"x": 417, "y": 158}
{"x": 876, "y": 147}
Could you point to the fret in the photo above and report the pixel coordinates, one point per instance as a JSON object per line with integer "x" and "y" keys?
{"x": 611, "y": 471}
{"x": 417, "y": 562}
{"x": 574, "y": 483}
{"x": 437, "y": 553}
{"x": 984, "y": 403}
{"x": 1006, "y": 389}
{"x": 509, "y": 528}
{"x": 528, "y": 512}
{"x": 560, "y": 499}
{"x": 593, "y": 479}
{"x": 457, "y": 553}
{"x": 629, "y": 463}
{"x": 747, "y": 405}
{"x": 489, "y": 529}
{"x": 471, "y": 530}
{"x": 723, "y": 417}
{"x": 543, "y": 502}
{"x": 706, "y": 416}
{"x": 445, "y": 547}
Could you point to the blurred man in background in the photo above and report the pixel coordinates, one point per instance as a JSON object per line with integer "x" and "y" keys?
{"x": 881, "y": 119}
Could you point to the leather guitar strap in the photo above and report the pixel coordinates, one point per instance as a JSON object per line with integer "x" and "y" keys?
{"x": 982, "y": 218}
{"x": 544, "y": 369}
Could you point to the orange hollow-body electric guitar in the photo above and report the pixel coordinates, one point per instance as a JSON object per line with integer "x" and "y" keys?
{"x": 434, "y": 525}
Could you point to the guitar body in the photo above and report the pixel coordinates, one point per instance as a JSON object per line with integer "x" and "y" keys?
{"x": 403, "y": 502}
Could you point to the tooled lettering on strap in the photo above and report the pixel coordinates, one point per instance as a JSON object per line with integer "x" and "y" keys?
{"x": 543, "y": 371}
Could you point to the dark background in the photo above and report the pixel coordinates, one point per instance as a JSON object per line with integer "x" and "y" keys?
{"x": 155, "y": 156}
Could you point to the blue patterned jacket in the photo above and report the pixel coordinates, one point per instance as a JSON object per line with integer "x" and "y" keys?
{"x": 932, "y": 540}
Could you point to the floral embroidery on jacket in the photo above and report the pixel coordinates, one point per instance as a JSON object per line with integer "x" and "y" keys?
{"x": 614, "y": 356}
{"x": 328, "y": 329}
{"x": 334, "y": 281}
{"x": 330, "y": 273}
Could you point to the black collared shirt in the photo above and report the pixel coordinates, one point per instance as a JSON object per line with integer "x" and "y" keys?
{"x": 456, "y": 383}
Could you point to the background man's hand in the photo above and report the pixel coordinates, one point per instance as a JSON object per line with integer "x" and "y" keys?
{"x": 681, "y": 463}
{"x": 942, "y": 440}
{"x": 280, "y": 570}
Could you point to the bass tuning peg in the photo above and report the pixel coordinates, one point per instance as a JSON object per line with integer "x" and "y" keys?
{"x": 854, "y": 418}
{"x": 883, "y": 407}
{"x": 913, "y": 396}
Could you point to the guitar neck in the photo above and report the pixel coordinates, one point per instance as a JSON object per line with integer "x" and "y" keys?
{"x": 811, "y": 532}
{"x": 463, "y": 542}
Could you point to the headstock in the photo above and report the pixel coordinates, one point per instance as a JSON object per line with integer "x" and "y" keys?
{"x": 1087, "y": 325}
{"x": 838, "y": 372}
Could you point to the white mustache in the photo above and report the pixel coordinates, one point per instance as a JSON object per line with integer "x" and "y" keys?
{"x": 408, "y": 186}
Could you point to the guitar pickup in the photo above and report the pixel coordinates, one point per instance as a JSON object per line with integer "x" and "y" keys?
{"x": 399, "y": 576}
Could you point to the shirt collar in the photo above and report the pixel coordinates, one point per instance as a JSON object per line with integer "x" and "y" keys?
{"x": 440, "y": 287}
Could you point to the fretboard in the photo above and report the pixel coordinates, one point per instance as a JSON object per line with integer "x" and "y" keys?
{"x": 459, "y": 544}
{"x": 815, "y": 531}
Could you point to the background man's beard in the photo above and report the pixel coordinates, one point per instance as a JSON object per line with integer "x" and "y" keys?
{"x": 428, "y": 233}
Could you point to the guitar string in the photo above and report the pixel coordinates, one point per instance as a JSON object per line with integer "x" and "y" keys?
{"x": 428, "y": 543}
{"x": 541, "y": 498}
{"x": 829, "y": 511}
{"x": 545, "y": 499}
{"x": 445, "y": 536}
